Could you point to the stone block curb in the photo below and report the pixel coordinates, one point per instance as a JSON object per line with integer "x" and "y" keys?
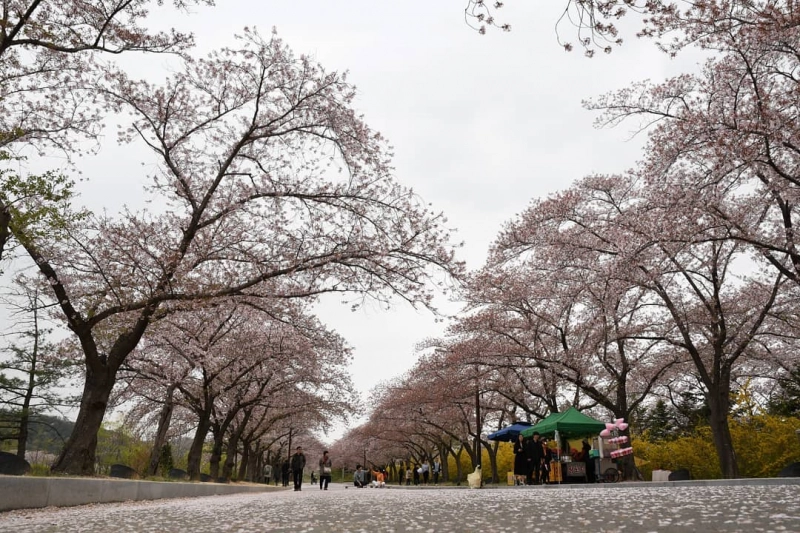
{"x": 26, "y": 492}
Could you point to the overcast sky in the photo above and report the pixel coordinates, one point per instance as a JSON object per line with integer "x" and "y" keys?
{"x": 481, "y": 125}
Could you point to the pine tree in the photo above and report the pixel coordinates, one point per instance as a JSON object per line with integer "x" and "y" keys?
{"x": 165, "y": 463}
{"x": 786, "y": 399}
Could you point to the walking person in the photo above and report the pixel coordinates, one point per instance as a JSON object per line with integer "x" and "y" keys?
{"x": 535, "y": 454}
{"x": 297, "y": 465}
{"x": 285, "y": 468}
{"x": 426, "y": 471}
{"x": 437, "y": 470}
{"x": 409, "y": 474}
{"x": 325, "y": 470}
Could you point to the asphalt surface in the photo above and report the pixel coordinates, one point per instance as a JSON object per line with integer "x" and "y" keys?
{"x": 598, "y": 509}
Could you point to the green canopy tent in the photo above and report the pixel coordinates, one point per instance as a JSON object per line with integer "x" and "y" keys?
{"x": 569, "y": 424}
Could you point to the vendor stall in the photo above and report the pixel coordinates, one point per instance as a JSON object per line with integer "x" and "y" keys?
{"x": 570, "y": 424}
{"x": 509, "y": 433}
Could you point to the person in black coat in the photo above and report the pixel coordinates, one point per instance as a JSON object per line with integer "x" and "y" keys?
{"x": 535, "y": 454}
{"x": 298, "y": 463}
{"x": 548, "y": 456}
{"x": 285, "y": 468}
{"x": 520, "y": 461}
{"x": 587, "y": 458}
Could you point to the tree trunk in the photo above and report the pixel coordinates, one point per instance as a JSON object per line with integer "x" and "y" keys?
{"x": 256, "y": 462}
{"x": 5, "y": 233}
{"x": 25, "y": 415}
{"x": 473, "y": 451}
{"x": 216, "y": 457}
{"x": 161, "y": 434}
{"x": 196, "y": 450}
{"x": 78, "y": 455}
{"x": 477, "y": 446}
{"x": 233, "y": 445}
{"x": 459, "y": 469}
{"x": 492, "y": 452}
{"x": 242, "y": 474}
{"x": 443, "y": 454}
{"x": 22, "y": 437}
{"x": 230, "y": 457}
{"x": 721, "y": 432}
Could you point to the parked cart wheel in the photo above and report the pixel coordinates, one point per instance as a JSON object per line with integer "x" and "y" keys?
{"x": 611, "y": 475}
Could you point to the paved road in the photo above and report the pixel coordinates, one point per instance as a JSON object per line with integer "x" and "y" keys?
{"x": 537, "y": 509}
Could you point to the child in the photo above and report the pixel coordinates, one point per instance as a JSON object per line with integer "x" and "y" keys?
{"x": 378, "y": 479}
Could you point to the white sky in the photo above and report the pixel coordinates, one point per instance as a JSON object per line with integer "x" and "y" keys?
{"x": 481, "y": 125}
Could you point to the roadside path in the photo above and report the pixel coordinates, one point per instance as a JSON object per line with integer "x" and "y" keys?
{"x": 537, "y": 509}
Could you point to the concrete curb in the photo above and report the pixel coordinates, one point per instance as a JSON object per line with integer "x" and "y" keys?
{"x": 745, "y": 482}
{"x": 23, "y": 492}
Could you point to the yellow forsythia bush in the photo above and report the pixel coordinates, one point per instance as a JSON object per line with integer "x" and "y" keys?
{"x": 505, "y": 463}
{"x": 764, "y": 444}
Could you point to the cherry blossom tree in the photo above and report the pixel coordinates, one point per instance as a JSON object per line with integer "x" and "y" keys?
{"x": 445, "y": 403}
{"x": 251, "y": 142}
{"x": 726, "y": 140}
{"x": 715, "y": 312}
{"x": 564, "y": 333}
{"x": 47, "y": 49}
{"x": 674, "y": 25}
{"x": 721, "y": 162}
{"x": 397, "y": 429}
{"x": 234, "y": 365}
{"x": 48, "y": 57}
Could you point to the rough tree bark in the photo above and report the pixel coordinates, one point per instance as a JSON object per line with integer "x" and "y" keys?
{"x": 196, "y": 450}
{"x": 79, "y": 450}
{"x": 161, "y": 433}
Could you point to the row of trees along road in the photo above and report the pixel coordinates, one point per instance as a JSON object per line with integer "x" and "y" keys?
{"x": 613, "y": 288}
{"x": 241, "y": 372}
{"x": 679, "y": 275}
{"x": 275, "y": 190}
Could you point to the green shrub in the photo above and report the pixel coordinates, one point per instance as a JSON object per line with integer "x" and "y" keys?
{"x": 40, "y": 470}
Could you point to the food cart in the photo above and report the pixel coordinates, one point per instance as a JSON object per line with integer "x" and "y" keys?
{"x": 570, "y": 424}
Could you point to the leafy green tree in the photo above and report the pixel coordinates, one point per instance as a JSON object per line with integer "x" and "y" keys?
{"x": 117, "y": 444}
{"x": 33, "y": 206}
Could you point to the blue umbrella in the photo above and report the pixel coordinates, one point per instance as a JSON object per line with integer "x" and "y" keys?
{"x": 510, "y": 433}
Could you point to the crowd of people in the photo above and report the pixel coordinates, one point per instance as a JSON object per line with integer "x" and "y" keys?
{"x": 533, "y": 457}
{"x": 293, "y": 467}
{"x": 532, "y": 460}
